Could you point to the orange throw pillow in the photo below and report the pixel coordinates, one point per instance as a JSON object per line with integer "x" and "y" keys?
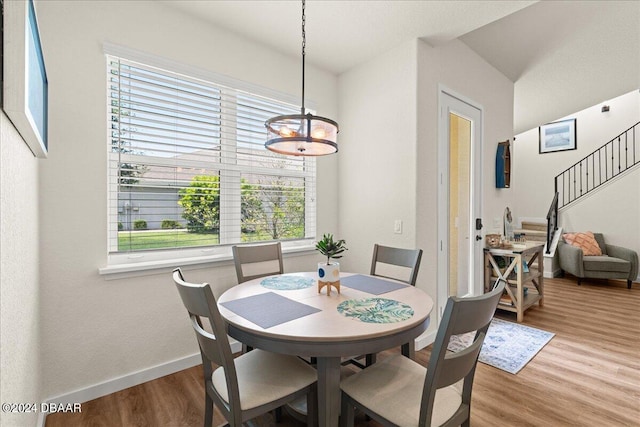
{"x": 585, "y": 241}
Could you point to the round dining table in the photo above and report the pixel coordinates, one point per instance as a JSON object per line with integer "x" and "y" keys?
{"x": 287, "y": 314}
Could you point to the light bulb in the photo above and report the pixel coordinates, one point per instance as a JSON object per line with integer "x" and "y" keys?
{"x": 286, "y": 132}
{"x": 319, "y": 133}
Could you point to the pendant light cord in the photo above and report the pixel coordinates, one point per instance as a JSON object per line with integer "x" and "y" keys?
{"x": 304, "y": 44}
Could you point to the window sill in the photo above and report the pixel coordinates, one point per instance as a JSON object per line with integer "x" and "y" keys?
{"x": 143, "y": 268}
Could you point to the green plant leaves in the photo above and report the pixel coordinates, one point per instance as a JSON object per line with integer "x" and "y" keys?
{"x": 331, "y": 248}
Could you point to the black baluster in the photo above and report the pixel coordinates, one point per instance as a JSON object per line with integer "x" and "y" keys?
{"x": 613, "y": 167}
{"x": 586, "y": 174}
{"x": 606, "y": 172}
{"x": 593, "y": 170}
{"x": 580, "y": 178}
{"x": 564, "y": 191}
{"x": 574, "y": 183}
{"x": 619, "y": 165}
{"x": 599, "y": 165}
{"x": 626, "y": 150}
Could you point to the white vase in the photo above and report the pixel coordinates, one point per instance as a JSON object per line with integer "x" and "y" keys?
{"x": 329, "y": 272}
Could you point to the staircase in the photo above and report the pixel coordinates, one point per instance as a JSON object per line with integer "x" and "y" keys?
{"x": 533, "y": 231}
{"x": 536, "y": 230}
{"x": 616, "y": 157}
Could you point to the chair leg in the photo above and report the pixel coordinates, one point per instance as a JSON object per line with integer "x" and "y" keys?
{"x": 579, "y": 281}
{"x": 208, "y": 410}
{"x": 347, "y": 413}
{"x": 370, "y": 359}
{"x": 312, "y": 406}
{"x": 629, "y": 284}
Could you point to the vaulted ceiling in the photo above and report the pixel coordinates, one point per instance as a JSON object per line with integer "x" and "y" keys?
{"x": 563, "y": 56}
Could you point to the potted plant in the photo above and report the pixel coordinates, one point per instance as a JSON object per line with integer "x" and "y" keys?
{"x": 329, "y": 272}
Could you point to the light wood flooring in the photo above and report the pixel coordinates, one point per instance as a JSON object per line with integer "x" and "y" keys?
{"x": 588, "y": 375}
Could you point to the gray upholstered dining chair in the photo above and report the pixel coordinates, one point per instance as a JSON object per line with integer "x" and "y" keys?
{"x": 407, "y": 258}
{"x": 257, "y": 261}
{"x": 408, "y": 261}
{"x": 401, "y": 392}
{"x": 252, "y": 384}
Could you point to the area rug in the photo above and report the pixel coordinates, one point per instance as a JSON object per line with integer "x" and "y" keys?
{"x": 508, "y": 346}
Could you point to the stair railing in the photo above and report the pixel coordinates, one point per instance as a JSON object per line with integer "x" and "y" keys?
{"x": 552, "y": 221}
{"x": 602, "y": 165}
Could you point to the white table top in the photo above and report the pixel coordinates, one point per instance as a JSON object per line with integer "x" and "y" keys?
{"x": 327, "y": 325}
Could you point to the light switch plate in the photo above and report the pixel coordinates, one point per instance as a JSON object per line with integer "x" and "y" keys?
{"x": 397, "y": 226}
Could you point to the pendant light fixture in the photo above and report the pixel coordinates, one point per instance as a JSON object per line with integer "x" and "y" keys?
{"x": 302, "y": 134}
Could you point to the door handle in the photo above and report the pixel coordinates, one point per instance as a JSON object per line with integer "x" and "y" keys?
{"x": 478, "y": 238}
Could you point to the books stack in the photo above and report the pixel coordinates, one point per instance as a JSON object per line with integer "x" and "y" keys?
{"x": 505, "y": 299}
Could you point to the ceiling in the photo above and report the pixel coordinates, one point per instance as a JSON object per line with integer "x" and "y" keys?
{"x": 563, "y": 56}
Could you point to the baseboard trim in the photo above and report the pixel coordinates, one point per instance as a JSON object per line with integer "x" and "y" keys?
{"x": 120, "y": 383}
{"x": 552, "y": 274}
{"x": 425, "y": 340}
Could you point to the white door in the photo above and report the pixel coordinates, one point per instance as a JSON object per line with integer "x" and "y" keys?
{"x": 459, "y": 199}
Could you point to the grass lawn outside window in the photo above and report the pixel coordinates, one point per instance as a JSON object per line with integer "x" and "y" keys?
{"x": 162, "y": 239}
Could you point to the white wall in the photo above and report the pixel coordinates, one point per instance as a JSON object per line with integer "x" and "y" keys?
{"x": 377, "y": 158}
{"x": 94, "y": 330}
{"x": 388, "y": 155}
{"x": 20, "y": 360}
{"x": 613, "y": 209}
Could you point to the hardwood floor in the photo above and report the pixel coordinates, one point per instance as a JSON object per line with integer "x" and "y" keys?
{"x": 588, "y": 375}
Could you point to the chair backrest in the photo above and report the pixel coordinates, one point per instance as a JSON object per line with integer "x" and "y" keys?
{"x": 600, "y": 239}
{"x": 461, "y": 315}
{"x": 200, "y": 303}
{"x": 257, "y": 261}
{"x": 408, "y": 258}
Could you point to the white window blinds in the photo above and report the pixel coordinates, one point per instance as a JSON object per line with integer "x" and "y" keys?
{"x": 188, "y": 167}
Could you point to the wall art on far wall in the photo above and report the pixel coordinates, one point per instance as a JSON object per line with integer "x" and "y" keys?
{"x": 558, "y": 136}
{"x": 25, "y": 86}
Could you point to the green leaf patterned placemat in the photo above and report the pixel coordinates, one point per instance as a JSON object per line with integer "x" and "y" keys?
{"x": 376, "y": 310}
{"x": 287, "y": 283}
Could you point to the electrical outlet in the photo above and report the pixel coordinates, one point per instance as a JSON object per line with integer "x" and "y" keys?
{"x": 397, "y": 226}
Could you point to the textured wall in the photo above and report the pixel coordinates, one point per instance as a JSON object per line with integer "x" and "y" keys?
{"x": 20, "y": 286}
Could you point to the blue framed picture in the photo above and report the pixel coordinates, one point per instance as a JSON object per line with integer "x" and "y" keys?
{"x": 25, "y": 84}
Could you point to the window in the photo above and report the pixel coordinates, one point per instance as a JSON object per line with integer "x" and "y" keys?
{"x": 188, "y": 167}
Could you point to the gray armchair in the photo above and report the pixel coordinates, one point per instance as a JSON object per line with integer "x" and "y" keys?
{"x": 615, "y": 263}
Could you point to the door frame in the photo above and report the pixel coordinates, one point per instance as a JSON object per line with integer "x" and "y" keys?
{"x": 445, "y": 95}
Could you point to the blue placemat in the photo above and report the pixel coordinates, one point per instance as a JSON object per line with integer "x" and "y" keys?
{"x": 287, "y": 283}
{"x": 269, "y": 309}
{"x": 376, "y": 310}
{"x": 370, "y": 285}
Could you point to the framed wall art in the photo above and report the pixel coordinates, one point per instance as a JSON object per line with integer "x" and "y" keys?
{"x": 558, "y": 136}
{"x": 25, "y": 85}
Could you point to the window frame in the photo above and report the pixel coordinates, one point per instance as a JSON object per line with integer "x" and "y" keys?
{"x": 127, "y": 262}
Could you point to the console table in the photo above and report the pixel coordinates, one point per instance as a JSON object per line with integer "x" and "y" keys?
{"x": 520, "y": 258}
